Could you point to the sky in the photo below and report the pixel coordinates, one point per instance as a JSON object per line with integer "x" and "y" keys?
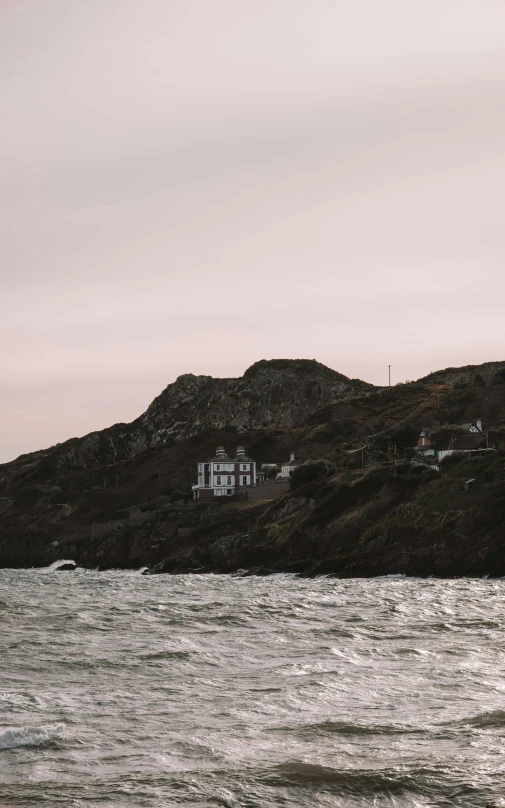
{"x": 190, "y": 186}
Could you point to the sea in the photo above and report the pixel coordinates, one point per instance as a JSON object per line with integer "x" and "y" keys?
{"x": 122, "y": 689}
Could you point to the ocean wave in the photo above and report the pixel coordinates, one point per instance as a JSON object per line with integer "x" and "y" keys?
{"x": 56, "y": 564}
{"x": 489, "y": 719}
{"x": 350, "y": 780}
{"x": 168, "y": 655}
{"x": 17, "y": 700}
{"x": 14, "y": 737}
{"x": 347, "y": 728}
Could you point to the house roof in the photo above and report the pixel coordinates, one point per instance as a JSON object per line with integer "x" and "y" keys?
{"x": 471, "y": 427}
{"x": 292, "y": 463}
{"x": 221, "y": 458}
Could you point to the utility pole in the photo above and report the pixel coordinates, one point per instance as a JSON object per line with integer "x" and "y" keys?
{"x": 389, "y": 369}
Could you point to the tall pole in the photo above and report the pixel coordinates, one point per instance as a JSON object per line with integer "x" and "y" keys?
{"x": 389, "y": 369}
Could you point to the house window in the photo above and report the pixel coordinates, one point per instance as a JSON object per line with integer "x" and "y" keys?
{"x": 218, "y": 467}
{"x": 229, "y": 492}
{"x": 245, "y": 467}
{"x": 244, "y": 480}
{"x": 199, "y": 467}
{"x": 228, "y": 481}
{"x": 218, "y": 480}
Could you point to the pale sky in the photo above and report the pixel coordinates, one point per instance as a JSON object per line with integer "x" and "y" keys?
{"x": 193, "y": 185}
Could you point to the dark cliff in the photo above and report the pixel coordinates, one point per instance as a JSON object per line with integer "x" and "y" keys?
{"x": 117, "y": 497}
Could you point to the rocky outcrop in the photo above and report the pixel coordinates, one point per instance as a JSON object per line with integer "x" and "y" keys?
{"x": 478, "y": 375}
{"x": 275, "y": 393}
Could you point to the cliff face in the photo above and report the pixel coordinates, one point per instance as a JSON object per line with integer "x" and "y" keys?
{"x": 276, "y": 393}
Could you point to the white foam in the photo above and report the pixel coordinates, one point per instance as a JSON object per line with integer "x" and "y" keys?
{"x": 59, "y": 563}
{"x": 14, "y": 737}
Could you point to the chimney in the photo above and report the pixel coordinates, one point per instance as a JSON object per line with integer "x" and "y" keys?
{"x": 240, "y": 450}
{"x": 220, "y": 450}
{"x": 479, "y": 425}
{"x": 291, "y": 456}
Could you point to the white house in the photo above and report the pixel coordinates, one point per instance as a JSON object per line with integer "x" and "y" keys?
{"x": 288, "y": 468}
{"x": 223, "y": 476}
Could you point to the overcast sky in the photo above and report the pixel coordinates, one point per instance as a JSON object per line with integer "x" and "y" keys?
{"x": 193, "y": 185}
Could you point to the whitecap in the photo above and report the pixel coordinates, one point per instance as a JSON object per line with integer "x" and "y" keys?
{"x": 59, "y": 563}
{"x": 14, "y": 737}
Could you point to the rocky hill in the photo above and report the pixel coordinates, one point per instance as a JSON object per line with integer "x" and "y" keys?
{"x": 276, "y": 393}
{"x": 116, "y": 497}
{"x": 483, "y": 375}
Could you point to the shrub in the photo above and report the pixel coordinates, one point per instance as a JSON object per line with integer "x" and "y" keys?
{"x": 347, "y": 495}
{"x": 440, "y": 439}
{"x": 315, "y": 470}
{"x": 343, "y": 429}
{"x": 450, "y": 461}
{"x": 499, "y": 377}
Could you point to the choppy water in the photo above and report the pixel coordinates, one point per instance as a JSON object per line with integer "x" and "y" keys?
{"x": 118, "y": 689}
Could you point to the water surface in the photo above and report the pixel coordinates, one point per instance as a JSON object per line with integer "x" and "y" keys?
{"x": 118, "y": 689}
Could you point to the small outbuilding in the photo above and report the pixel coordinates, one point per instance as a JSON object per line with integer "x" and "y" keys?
{"x": 288, "y": 468}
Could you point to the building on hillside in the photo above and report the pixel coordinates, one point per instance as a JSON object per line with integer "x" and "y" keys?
{"x": 474, "y": 427}
{"x": 456, "y": 441}
{"x": 270, "y": 470}
{"x": 424, "y": 446}
{"x": 288, "y": 468}
{"x": 468, "y": 444}
{"x": 224, "y": 476}
{"x": 424, "y": 439}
